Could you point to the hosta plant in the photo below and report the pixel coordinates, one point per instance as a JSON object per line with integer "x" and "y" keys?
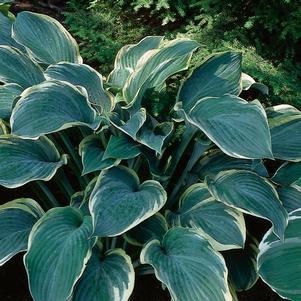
{"x": 118, "y": 186}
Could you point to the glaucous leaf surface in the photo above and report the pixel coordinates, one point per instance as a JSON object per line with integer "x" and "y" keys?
{"x": 5, "y": 33}
{"x": 84, "y": 76}
{"x": 290, "y": 197}
{"x": 219, "y": 75}
{"x": 154, "y": 227}
{"x": 58, "y": 250}
{"x": 242, "y": 265}
{"x": 3, "y": 128}
{"x": 59, "y": 45}
{"x": 23, "y": 161}
{"x": 132, "y": 125}
{"x": 16, "y": 221}
{"x": 250, "y": 193}
{"x": 155, "y": 67}
{"x": 216, "y": 161}
{"x": 50, "y": 107}
{"x": 153, "y": 134}
{"x": 121, "y": 147}
{"x": 92, "y": 154}
{"x": 279, "y": 262}
{"x": 238, "y": 128}
{"x": 108, "y": 277}
{"x": 224, "y": 227}
{"x": 128, "y": 57}
{"x": 119, "y": 202}
{"x": 288, "y": 173}
{"x": 190, "y": 268}
{"x": 8, "y": 94}
{"x": 285, "y": 122}
{"x": 16, "y": 67}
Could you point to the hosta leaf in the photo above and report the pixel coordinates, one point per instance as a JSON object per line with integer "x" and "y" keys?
{"x": 5, "y": 33}
{"x": 23, "y": 161}
{"x": 58, "y": 250}
{"x": 91, "y": 152}
{"x": 242, "y": 265}
{"x": 120, "y": 147}
{"x": 285, "y": 122}
{"x": 217, "y": 161}
{"x": 57, "y": 47}
{"x": 219, "y": 75}
{"x": 132, "y": 125}
{"x": 119, "y": 202}
{"x": 128, "y": 57}
{"x": 16, "y": 67}
{"x": 16, "y": 220}
{"x": 279, "y": 262}
{"x": 85, "y": 76}
{"x": 290, "y": 197}
{"x": 50, "y": 107}
{"x": 238, "y": 128}
{"x": 8, "y": 94}
{"x": 107, "y": 278}
{"x": 156, "y": 66}
{"x": 3, "y": 128}
{"x": 154, "y": 227}
{"x": 250, "y": 193}
{"x": 288, "y": 173}
{"x": 153, "y": 134}
{"x": 189, "y": 267}
{"x": 223, "y": 226}
{"x": 248, "y": 82}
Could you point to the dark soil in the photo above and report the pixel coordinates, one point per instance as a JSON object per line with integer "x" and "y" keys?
{"x": 13, "y": 277}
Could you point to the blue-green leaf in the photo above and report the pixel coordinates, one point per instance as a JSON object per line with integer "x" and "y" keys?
{"x": 219, "y": 75}
{"x": 23, "y": 161}
{"x": 279, "y": 262}
{"x": 223, "y": 226}
{"x": 240, "y": 129}
{"x": 290, "y": 197}
{"x": 155, "y": 67}
{"x": 186, "y": 263}
{"x": 288, "y": 173}
{"x": 84, "y": 76}
{"x": 119, "y": 202}
{"x": 50, "y": 44}
{"x": 92, "y": 154}
{"x": 50, "y": 107}
{"x": 285, "y": 122}
{"x": 154, "y": 227}
{"x": 120, "y": 147}
{"x": 108, "y": 277}
{"x": 16, "y": 221}
{"x": 8, "y": 94}
{"x": 128, "y": 57}
{"x": 58, "y": 250}
{"x": 16, "y": 67}
{"x": 250, "y": 193}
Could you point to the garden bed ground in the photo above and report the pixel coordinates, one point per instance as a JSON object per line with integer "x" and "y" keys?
{"x": 13, "y": 276}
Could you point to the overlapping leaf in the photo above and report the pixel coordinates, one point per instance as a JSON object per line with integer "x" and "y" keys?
{"x": 279, "y": 262}
{"x": 50, "y": 107}
{"x": 108, "y": 277}
{"x": 85, "y": 76}
{"x": 239, "y": 128}
{"x": 223, "y": 226}
{"x": 16, "y": 221}
{"x": 250, "y": 193}
{"x": 58, "y": 250}
{"x": 189, "y": 267}
{"x": 219, "y": 75}
{"x": 119, "y": 202}
{"x": 8, "y": 94}
{"x": 59, "y": 45}
{"x": 22, "y": 161}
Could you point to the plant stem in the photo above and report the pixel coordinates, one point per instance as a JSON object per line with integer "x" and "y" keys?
{"x": 198, "y": 150}
{"x": 136, "y": 263}
{"x": 63, "y": 183}
{"x": 113, "y": 242}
